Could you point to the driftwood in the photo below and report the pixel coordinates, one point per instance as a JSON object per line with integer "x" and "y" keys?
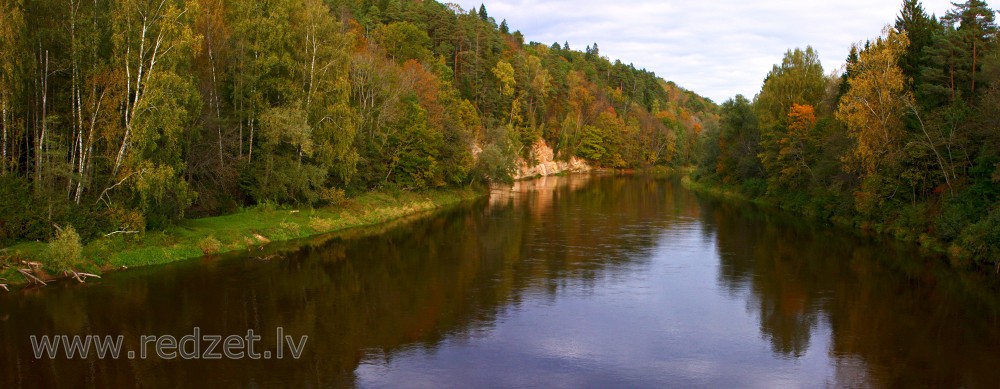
{"x": 122, "y": 232}
{"x": 80, "y": 277}
{"x": 269, "y": 257}
{"x": 4, "y": 286}
{"x": 31, "y": 277}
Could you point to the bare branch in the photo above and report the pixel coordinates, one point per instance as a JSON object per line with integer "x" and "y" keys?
{"x": 31, "y": 277}
{"x": 122, "y": 232}
{"x": 101, "y": 197}
{"x": 80, "y": 277}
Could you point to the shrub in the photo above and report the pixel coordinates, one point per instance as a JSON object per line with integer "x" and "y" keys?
{"x": 210, "y": 245}
{"x": 333, "y": 196}
{"x": 320, "y": 224}
{"x": 65, "y": 251}
{"x": 981, "y": 241}
{"x": 22, "y": 215}
{"x": 754, "y": 187}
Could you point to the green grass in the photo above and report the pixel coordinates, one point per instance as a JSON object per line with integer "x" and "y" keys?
{"x": 247, "y": 229}
{"x": 713, "y": 190}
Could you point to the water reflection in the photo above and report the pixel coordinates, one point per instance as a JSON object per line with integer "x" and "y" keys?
{"x": 559, "y": 282}
{"x": 897, "y": 317}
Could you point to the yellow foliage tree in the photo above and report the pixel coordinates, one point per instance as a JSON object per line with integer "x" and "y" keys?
{"x": 874, "y": 106}
{"x": 793, "y": 149}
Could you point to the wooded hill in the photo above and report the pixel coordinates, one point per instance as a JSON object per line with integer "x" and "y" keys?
{"x": 906, "y": 141}
{"x": 128, "y": 115}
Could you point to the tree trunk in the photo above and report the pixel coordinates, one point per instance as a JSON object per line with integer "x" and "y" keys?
{"x": 40, "y": 140}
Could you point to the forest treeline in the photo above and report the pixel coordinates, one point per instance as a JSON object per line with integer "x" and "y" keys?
{"x": 118, "y": 116}
{"x": 905, "y": 141}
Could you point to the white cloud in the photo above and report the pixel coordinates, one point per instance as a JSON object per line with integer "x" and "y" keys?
{"x": 715, "y": 48}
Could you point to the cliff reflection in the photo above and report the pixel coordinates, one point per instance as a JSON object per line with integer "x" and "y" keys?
{"x": 359, "y": 295}
{"x": 869, "y": 314}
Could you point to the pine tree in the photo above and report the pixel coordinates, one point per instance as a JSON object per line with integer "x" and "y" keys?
{"x": 852, "y": 60}
{"x": 977, "y": 28}
{"x": 919, "y": 28}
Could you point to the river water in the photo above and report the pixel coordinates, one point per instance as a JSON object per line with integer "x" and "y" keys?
{"x": 579, "y": 281}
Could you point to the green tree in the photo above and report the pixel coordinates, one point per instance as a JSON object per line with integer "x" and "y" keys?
{"x": 326, "y": 89}
{"x": 263, "y": 65}
{"x": 153, "y": 45}
{"x": 919, "y": 29}
{"x": 977, "y": 29}
{"x": 404, "y": 41}
{"x": 798, "y": 80}
{"x": 739, "y": 141}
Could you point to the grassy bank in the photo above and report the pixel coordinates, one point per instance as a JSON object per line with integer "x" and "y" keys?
{"x": 799, "y": 204}
{"x": 246, "y": 229}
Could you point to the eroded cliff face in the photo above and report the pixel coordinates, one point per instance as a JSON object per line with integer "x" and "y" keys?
{"x": 546, "y": 165}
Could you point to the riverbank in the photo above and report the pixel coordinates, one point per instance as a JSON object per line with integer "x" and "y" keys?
{"x": 956, "y": 254}
{"x": 247, "y": 229}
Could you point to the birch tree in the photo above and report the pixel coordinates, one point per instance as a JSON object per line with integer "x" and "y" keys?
{"x": 153, "y": 46}
{"x": 11, "y": 39}
{"x": 874, "y": 106}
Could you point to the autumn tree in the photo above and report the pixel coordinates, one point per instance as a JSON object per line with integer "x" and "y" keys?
{"x": 874, "y": 106}
{"x": 797, "y": 149}
{"x": 873, "y": 111}
{"x": 118, "y": 116}
{"x": 798, "y": 80}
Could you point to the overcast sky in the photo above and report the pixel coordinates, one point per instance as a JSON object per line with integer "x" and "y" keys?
{"x": 717, "y": 48}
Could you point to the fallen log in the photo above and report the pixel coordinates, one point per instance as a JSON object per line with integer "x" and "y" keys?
{"x": 31, "y": 277}
{"x": 81, "y": 277}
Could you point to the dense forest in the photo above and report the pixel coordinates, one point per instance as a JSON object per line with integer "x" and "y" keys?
{"x": 122, "y": 116}
{"x": 905, "y": 141}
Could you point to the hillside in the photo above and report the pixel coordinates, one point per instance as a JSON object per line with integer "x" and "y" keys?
{"x": 905, "y": 142}
{"x": 128, "y": 116}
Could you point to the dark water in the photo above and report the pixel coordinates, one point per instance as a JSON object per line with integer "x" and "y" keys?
{"x": 584, "y": 281}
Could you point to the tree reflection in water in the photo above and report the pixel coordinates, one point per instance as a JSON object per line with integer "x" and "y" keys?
{"x": 886, "y": 316}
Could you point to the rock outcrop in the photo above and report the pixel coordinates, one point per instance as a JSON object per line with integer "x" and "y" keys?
{"x": 546, "y": 165}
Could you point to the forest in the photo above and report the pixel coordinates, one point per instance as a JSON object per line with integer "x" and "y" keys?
{"x": 127, "y": 116}
{"x": 905, "y": 141}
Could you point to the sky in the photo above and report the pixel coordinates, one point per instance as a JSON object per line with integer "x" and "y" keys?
{"x": 716, "y": 48}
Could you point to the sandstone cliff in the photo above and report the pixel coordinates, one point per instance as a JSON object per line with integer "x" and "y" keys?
{"x": 546, "y": 165}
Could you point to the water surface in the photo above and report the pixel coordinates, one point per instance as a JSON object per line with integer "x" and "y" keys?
{"x": 580, "y": 281}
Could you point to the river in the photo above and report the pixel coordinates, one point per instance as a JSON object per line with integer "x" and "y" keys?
{"x": 578, "y": 281}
